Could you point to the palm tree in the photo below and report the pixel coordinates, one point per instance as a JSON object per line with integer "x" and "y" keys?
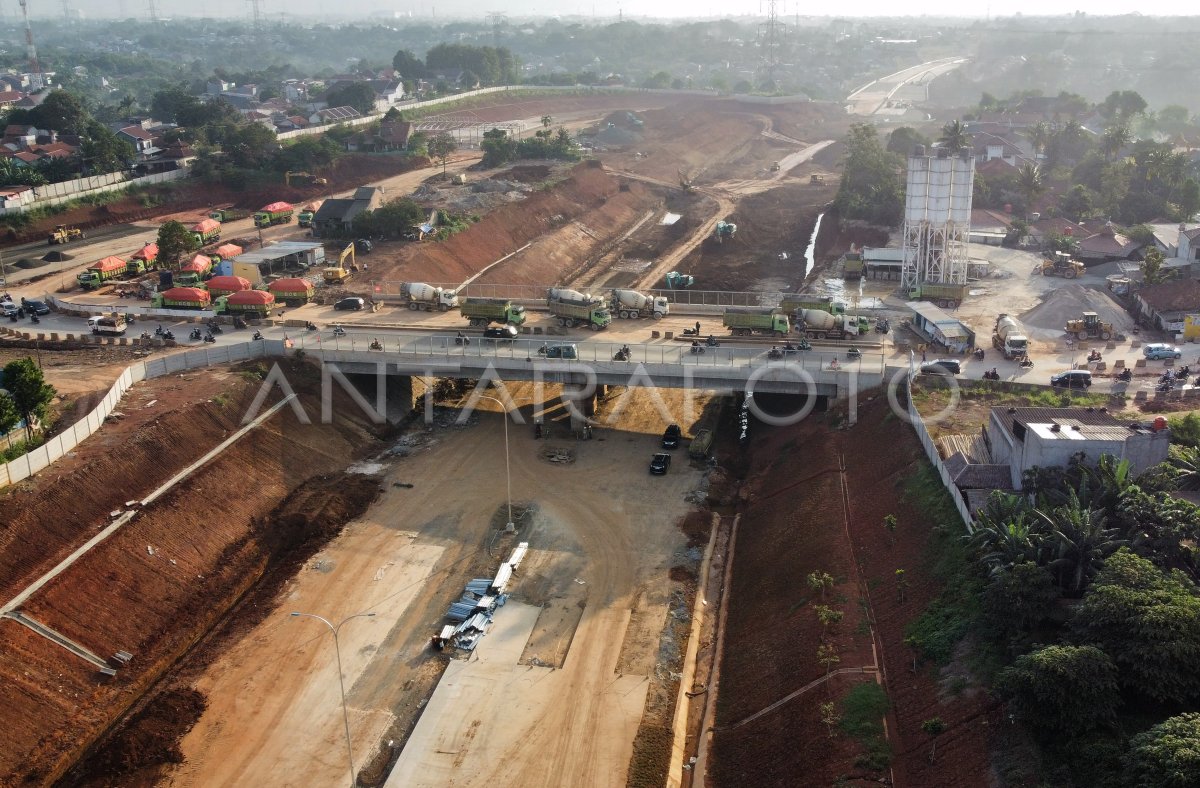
{"x": 1000, "y": 546}
{"x": 1029, "y": 181}
{"x": 1186, "y": 462}
{"x": 1115, "y": 138}
{"x": 1039, "y": 135}
{"x": 955, "y": 136}
{"x": 1081, "y": 540}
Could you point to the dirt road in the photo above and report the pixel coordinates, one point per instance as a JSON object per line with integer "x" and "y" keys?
{"x": 598, "y": 547}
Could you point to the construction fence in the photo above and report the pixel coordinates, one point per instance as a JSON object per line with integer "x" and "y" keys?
{"x": 936, "y": 459}
{"x": 57, "y": 193}
{"x": 65, "y": 442}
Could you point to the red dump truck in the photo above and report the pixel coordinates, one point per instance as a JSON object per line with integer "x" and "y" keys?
{"x": 181, "y": 298}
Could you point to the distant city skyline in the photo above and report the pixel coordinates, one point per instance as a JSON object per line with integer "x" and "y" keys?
{"x": 679, "y": 9}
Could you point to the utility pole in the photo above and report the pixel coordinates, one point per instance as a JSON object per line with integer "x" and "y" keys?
{"x": 153, "y": 12}
{"x": 771, "y": 34}
{"x": 497, "y": 18}
{"x": 256, "y": 12}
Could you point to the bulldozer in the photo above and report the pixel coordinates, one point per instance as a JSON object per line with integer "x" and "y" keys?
{"x": 1088, "y": 326}
{"x": 1061, "y": 264}
{"x": 63, "y": 234}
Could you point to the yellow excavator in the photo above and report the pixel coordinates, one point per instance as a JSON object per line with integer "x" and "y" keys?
{"x": 337, "y": 274}
{"x": 1088, "y": 326}
{"x": 63, "y": 234}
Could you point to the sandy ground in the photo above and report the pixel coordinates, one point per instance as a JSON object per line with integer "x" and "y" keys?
{"x": 602, "y": 539}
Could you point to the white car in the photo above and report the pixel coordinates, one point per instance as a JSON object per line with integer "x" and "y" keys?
{"x": 8, "y": 308}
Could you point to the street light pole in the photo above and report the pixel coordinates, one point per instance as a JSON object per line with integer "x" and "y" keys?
{"x": 509, "y": 527}
{"x": 341, "y": 682}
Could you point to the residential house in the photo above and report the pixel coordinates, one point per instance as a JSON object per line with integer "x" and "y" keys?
{"x": 1028, "y": 438}
{"x": 295, "y": 91}
{"x": 987, "y": 147}
{"x": 388, "y": 93}
{"x": 216, "y": 87}
{"x": 993, "y": 168}
{"x": 395, "y": 134}
{"x": 22, "y": 136}
{"x": 336, "y": 216}
{"x": 333, "y": 115}
{"x": 15, "y": 196}
{"x": 240, "y": 101}
{"x": 1187, "y": 245}
{"x": 989, "y": 227}
{"x": 142, "y": 141}
{"x": 1041, "y": 230}
{"x": 9, "y": 98}
{"x": 1168, "y": 305}
{"x": 1108, "y": 244}
{"x": 290, "y": 123}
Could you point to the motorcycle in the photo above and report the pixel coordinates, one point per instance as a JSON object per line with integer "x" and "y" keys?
{"x": 710, "y": 342}
{"x": 209, "y": 338}
{"x": 774, "y": 353}
{"x": 697, "y": 347}
{"x": 310, "y": 326}
{"x": 853, "y": 353}
{"x": 376, "y": 345}
{"x": 622, "y": 354}
{"x": 991, "y": 374}
{"x": 1027, "y": 363}
{"x": 129, "y": 319}
{"x": 1183, "y": 372}
{"x": 257, "y": 336}
{"x": 1125, "y": 375}
{"x": 34, "y": 318}
{"x": 882, "y": 327}
{"x": 1094, "y": 356}
{"x": 338, "y": 331}
{"x": 239, "y": 323}
{"x": 1165, "y": 385}
{"x": 158, "y": 332}
{"x": 214, "y": 327}
{"x": 542, "y": 350}
{"x": 195, "y": 334}
{"x": 462, "y": 339}
{"x": 146, "y": 336}
{"x": 169, "y": 336}
{"x": 978, "y": 353}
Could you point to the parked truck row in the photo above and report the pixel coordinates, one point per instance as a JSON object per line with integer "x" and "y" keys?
{"x": 574, "y": 309}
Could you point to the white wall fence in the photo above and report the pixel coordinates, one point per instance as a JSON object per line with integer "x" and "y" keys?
{"x": 932, "y": 453}
{"x": 56, "y": 193}
{"x": 40, "y": 458}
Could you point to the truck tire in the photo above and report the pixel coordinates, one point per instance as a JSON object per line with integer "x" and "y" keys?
{"x": 443, "y": 308}
{"x": 1069, "y": 273}
{"x": 658, "y": 315}
{"x": 595, "y": 326}
{"x": 1082, "y": 335}
{"x": 623, "y": 314}
{"x": 412, "y": 305}
{"x": 1107, "y": 335}
{"x": 780, "y": 334}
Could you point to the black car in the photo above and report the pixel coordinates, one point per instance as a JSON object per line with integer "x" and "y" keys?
{"x": 671, "y": 435}
{"x": 35, "y": 307}
{"x": 363, "y": 246}
{"x": 1072, "y": 379}
{"x": 503, "y": 333}
{"x": 942, "y": 366}
{"x": 659, "y": 464}
{"x": 353, "y": 304}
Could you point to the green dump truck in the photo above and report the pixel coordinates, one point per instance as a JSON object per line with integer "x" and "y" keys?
{"x": 206, "y": 231}
{"x": 746, "y": 320}
{"x": 275, "y": 213}
{"x": 575, "y": 309}
{"x": 483, "y": 311}
{"x": 250, "y": 304}
{"x": 181, "y": 298}
{"x": 944, "y": 295}
{"x": 100, "y": 272}
{"x": 794, "y": 301}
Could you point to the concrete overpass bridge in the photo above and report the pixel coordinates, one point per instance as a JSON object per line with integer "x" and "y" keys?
{"x": 827, "y": 374}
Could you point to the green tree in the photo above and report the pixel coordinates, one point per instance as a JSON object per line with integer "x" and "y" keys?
{"x": 903, "y": 139}
{"x": 1039, "y": 135}
{"x": 1166, "y": 756}
{"x": 657, "y": 80}
{"x": 1018, "y": 598}
{"x": 1062, "y": 688}
{"x": 1115, "y": 138}
{"x": 498, "y": 148}
{"x": 954, "y": 136}
{"x": 829, "y": 716}
{"x": 1078, "y": 204}
{"x": 391, "y": 220}
{"x": 1029, "y": 180}
{"x": 827, "y": 616}
{"x": 174, "y": 241}
{"x": 870, "y": 187}
{"x": 1189, "y": 199}
{"x": 31, "y": 395}
{"x": 103, "y": 151}
{"x": 1153, "y": 272}
{"x": 359, "y": 95}
{"x": 1122, "y": 105}
{"x": 251, "y": 146}
{"x": 61, "y": 111}
{"x": 820, "y": 582}
{"x": 1148, "y": 621}
{"x": 9, "y": 416}
{"x": 827, "y": 656}
{"x": 934, "y": 727}
{"x": 889, "y": 525}
{"x": 441, "y": 148}
{"x": 408, "y": 65}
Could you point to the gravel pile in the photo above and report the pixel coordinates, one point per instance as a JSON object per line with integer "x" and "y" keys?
{"x": 1047, "y": 319}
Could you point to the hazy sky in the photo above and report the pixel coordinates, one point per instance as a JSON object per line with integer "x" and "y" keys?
{"x": 447, "y": 9}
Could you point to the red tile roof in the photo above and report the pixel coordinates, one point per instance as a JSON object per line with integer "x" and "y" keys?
{"x": 137, "y": 132}
{"x": 1110, "y": 243}
{"x": 1172, "y": 296}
